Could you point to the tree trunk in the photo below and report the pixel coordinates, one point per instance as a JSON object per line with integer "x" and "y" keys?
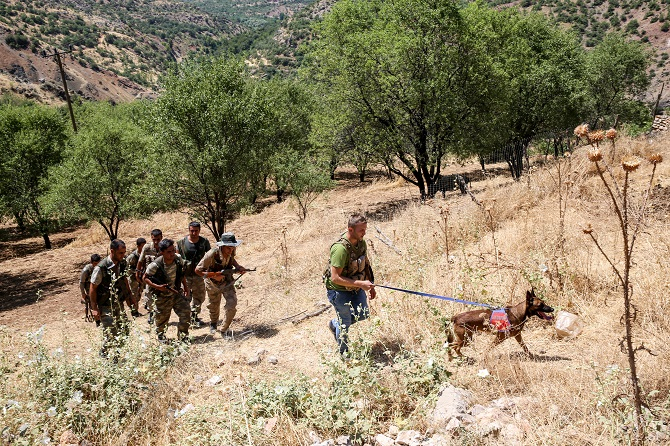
{"x": 20, "y": 221}
{"x": 47, "y": 241}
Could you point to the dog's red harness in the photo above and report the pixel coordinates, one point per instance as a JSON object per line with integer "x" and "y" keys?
{"x": 499, "y": 321}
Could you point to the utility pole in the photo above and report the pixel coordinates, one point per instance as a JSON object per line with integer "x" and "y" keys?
{"x": 57, "y": 55}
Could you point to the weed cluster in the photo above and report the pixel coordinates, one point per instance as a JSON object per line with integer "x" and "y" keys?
{"x": 57, "y": 390}
{"x": 358, "y": 396}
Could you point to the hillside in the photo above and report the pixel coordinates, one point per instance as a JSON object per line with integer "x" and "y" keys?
{"x": 119, "y": 47}
{"x": 137, "y": 40}
{"x": 281, "y": 383}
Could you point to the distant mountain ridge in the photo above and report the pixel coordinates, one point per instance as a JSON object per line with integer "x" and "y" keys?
{"x": 122, "y": 46}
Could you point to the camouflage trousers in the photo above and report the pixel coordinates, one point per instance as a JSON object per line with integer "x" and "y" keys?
{"x": 164, "y": 304}
{"x": 216, "y": 293}
{"x": 115, "y": 329}
{"x": 135, "y": 288}
{"x": 196, "y": 286}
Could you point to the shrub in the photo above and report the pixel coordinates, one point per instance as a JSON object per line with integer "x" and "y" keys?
{"x": 17, "y": 41}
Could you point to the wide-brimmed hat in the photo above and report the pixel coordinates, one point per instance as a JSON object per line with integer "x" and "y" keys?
{"x": 228, "y": 239}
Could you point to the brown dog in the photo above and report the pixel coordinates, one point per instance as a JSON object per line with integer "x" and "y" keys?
{"x": 464, "y": 325}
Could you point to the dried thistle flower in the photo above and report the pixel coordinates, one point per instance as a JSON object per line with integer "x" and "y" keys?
{"x": 610, "y": 134}
{"x": 596, "y": 136}
{"x": 595, "y": 155}
{"x": 587, "y": 229}
{"x": 582, "y": 130}
{"x": 630, "y": 163}
{"x": 656, "y": 158}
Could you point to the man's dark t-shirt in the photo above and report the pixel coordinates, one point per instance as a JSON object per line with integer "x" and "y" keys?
{"x": 193, "y": 252}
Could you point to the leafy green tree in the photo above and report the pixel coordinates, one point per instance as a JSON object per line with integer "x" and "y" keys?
{"x": 214, "y": 126}
{"x": 413, "y": 72}
{"x": 102, "y": 177}
{"x": 305, "y": 175}
{"x": 32, "y": 140}
{"x": 543, "y": 72}
{"x": 347, "y": 137}
{"x": 617, "y": 78}
{"x": 292, "y": 107}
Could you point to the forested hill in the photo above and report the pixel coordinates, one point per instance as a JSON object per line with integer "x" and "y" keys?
{"x": 121, "y": 46}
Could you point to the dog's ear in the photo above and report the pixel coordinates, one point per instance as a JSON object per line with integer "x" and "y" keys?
{"x": 530, "y": 295}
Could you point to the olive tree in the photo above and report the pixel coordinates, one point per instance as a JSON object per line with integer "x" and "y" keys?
{"x": 32, "y": 140}
{"x": 214, "y": 126}
{"x": 413, "y": 72}
{"x": 102, "y": 177}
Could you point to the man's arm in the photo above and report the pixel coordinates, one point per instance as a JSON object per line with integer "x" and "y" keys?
{"x": 82, "y": 281}
{"x": 93, "y": 293}
{"x": 201, "y": 268}
{"x": 131, "y": 296}
{"x": 184, "y": 286}
{"x": 338, "y": 279}
{"x": 240, "y": 269}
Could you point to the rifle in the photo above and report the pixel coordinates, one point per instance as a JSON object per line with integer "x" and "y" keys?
{"x": 228, "y": 273}
{"x": 88, "y": 313}
{"x": 172, "y": 289}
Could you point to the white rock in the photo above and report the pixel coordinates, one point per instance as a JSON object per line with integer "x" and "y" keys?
{"x": 254, "y": 360}
{"x": 453, "y": 424}
{"x": 343, "y": 440}
{"x": 452, "y": 402}
{"x": 273, "y": 359}
{"x": 477, "y": 409}
{"x": 383, "y": 440}
{"x": 437, "y": 440}
{"x": 409, "y": 438}
{"x": 214, "y": 380}
{"x": 393, "y": 431}
{"x": 314, "y": 437}
{"x": 184, "y": 410}
{"x": 511, "y": 433}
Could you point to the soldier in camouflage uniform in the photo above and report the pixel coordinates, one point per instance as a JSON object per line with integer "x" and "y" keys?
{"x": 109, "y": 289}
{"x": 85, "y": 284}
{"x": 147, "y": 255}
{"x": 217, "y": 267}
{"x": 193, "y": 248}
{"x": 167, "y": 284}
{"x": 135, "y": 288}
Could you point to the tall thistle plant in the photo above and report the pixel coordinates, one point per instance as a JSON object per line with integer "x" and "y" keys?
{"x": 630, "y": 223}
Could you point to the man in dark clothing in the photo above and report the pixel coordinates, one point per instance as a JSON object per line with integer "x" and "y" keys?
{"x": 165, "y": 277}
{"x": 193, "y": 248}
{"x": 135, "y": 288}
{"x": 109, "y": 289}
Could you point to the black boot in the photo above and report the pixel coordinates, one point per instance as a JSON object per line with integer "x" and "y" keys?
{"x": 196, "y": 322}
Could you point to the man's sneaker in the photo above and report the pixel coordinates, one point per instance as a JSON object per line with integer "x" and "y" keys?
{"x": 333, "y": 329}
{"x": 162, "y": 338}
{"x": 212, "y": 329}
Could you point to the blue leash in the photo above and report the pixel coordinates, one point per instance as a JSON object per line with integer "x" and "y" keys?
{"x": 437, "y": 296}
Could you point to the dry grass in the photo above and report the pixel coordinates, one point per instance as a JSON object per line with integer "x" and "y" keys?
{"x": 569, "y": 390}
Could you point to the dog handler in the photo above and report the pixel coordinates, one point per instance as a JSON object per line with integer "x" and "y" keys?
{"x": 348, "y": 277}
